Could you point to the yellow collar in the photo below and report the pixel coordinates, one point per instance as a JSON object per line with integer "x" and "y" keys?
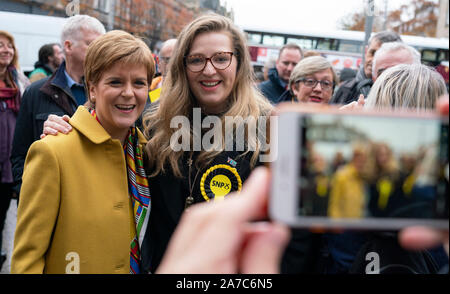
{"x": 86, "y": 124}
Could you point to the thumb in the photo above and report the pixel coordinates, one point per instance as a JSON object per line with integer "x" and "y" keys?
{"x": 361, "y": 100}
{"x": 263, "y": 249}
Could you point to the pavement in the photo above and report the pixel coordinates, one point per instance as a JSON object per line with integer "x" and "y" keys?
{"x": 8, "y": 235}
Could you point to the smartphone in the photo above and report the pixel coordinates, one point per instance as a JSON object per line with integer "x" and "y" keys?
{"x": 360, "y": 170}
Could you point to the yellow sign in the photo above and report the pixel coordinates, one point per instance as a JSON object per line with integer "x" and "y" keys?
{"x": 220, "y": 186}
{"x": 218, "y": 181}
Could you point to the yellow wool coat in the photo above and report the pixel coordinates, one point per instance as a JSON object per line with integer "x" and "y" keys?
{"x": 348, "y": 194}
{"x": 74, "y": 212}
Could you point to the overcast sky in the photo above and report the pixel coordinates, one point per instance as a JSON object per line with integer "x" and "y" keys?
{"x": 315, "y": 14}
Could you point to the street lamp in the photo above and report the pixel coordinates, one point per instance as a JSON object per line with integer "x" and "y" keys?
{"x": 369, "y": 10}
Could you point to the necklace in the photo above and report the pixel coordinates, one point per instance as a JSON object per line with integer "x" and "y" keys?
{"x": 190, "y": 198}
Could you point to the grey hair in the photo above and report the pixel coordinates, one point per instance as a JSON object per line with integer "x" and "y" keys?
{"x": 392, "y": 47}
{"x": 385, "y": 37}
{"x": 413, "y": 86}
{"x": 74, "y": 24}
{"x": 309, "y": 66}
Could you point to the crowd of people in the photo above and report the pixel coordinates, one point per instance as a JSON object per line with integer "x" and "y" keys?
{"x": 113, "y": 189}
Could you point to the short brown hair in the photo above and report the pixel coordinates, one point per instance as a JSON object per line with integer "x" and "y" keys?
{"x": 290, "y": 46}
{"x": 111, "y": 48}
{"x": 15, "y": 60}
{"x": 309, "y": 66}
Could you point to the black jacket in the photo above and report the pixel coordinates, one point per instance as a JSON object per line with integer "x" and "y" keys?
{"x": 273, "y": 88}
{"x": 350, "y": 90}
{"x": 47, "y": 96}
{"x": 168, "y": 199}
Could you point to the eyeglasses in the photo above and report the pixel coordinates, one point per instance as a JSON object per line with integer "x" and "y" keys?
{"x": 311, "y": 83}
{"x": 164, "y": 59}
{"x": 220, "y": 61}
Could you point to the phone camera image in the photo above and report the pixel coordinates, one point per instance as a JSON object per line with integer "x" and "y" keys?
{"x": 359, "y": 167}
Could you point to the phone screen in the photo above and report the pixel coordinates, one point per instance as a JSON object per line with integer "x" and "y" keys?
{"x": 354, "y": 167}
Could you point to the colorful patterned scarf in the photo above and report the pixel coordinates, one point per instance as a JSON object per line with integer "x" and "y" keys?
{"x": 139, "y": 192}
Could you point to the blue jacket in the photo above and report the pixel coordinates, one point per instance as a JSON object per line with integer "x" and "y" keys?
{"x": 274, "y": 87}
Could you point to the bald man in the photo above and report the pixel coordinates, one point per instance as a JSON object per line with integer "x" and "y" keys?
{"x": 164, "y": 58}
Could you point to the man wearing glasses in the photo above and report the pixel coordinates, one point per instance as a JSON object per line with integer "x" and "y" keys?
{"x": 164, "y": 58}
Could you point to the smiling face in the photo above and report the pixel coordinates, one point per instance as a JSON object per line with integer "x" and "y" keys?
{"x": 6, "y": 52}
{"x": 212, "y": 87}
{"x": 120, "y": 97}
{"x": 316, "y": 94}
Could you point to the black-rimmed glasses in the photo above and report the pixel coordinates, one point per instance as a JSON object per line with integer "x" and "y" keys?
{"x": 220, "y": 61}
{"x": 312, "y": 83}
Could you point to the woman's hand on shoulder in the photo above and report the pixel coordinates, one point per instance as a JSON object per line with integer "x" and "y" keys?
{"x": 56, "y": 124}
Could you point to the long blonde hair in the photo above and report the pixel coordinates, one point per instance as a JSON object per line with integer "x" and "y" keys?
{"x": 177, "y": 98}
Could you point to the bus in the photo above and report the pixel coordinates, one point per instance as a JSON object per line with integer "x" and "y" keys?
{"x": 30, "y": 32}
{"x": 343, "y": 49}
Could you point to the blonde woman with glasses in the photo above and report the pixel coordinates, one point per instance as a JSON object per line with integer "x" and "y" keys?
{"x": 312, "y": 81}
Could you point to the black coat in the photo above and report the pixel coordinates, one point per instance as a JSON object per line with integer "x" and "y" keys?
{"x": 42, "y": 98}
{"x": 350, "y": 90}
{"x": 168, "y": 199}
{"x": 273, "y": 88}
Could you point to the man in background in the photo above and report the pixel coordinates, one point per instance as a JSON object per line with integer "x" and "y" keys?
{"x": 50, "y": 58}
{"x": 164, "y": 58}
{"x": 362, "y": 83}
{"x": 289, "y": 56}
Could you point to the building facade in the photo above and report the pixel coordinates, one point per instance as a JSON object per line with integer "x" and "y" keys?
{"x": 442, "y": 26}
{"x": 154, "y": 20}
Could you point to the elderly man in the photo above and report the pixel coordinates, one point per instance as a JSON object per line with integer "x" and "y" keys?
{"x": 164, "y": 58}
{"x": 392, "y": 54}
{"x": 59, "y": 94}
{"x": 361, "y": 84}
{"x": 289, "y": 56}
{"x": 389, "y": 55}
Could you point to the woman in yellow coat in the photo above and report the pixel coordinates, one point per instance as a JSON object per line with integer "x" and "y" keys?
{"x": 85, "y": 199}
{"x": 348, "y": 197}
